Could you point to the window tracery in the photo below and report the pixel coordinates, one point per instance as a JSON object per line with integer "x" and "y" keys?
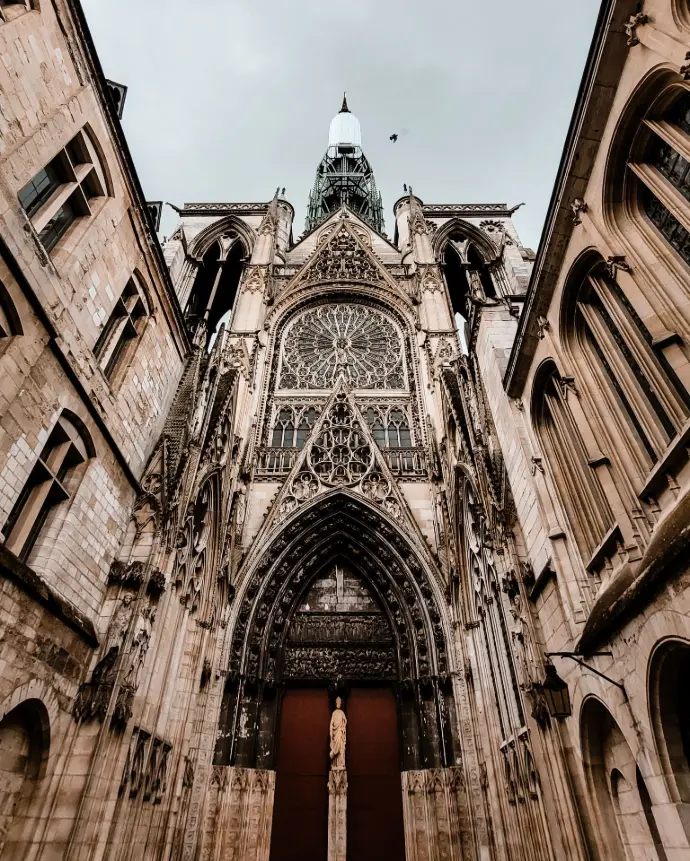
{"x": 640, "y": 387}
{"x": 358, "y": 342}
{"x": 664, "y": 170}
{"x": 65, "y": 190}
{"x": 52, "y": 481}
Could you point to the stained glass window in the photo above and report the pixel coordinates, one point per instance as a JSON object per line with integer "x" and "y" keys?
{"x": 354, "y": 341}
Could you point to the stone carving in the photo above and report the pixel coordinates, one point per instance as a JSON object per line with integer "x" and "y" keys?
{"x": 631, "y": 25}
{"x": 343, "y": 259}
{"x": 338, "y": 736}
{"x": 130, "y": 575}
{"x": 542, "y": 326}
{"x": 118, "y": 627}
{"x": 353, "y": 628}
{"x": 616, "y": 262}
{"x": 577, "y": 206}
{"x": 93, "y": 697}
{"x": 685, "y": 68}
{"x": 323, "y": 662}
{"x": 340, "y": 454}
{"x": 358, "y": 342}
{"x": 139, "y": 647}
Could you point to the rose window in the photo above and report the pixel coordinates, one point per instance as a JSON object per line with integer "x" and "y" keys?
{"x": 353, "y": 340}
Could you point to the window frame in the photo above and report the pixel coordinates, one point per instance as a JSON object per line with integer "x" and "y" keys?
{"x": 10, "y": 10}
{"x": 123, "y": 330}
{"x": 46, "y": 485}
{"x": 83, "y": 182}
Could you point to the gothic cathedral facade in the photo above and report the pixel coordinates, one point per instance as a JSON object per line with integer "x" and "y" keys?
{"x": 344, "y": 545}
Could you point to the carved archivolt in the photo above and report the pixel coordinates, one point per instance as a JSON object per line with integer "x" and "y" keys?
{"x": 339, "y": 527}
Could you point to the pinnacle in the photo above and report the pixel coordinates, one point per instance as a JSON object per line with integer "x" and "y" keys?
{"x": 344, "y": 109}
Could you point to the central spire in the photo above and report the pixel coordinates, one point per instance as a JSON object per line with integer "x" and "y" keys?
{"x": 344, "y": 177}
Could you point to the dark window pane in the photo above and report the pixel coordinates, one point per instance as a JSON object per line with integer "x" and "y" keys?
{"x": 36, "y": 193}
{"x": 666, "y": 224}
{"x": 673, "y": 166}
{"x": 128, "y": 332}
{"x": 679, "y": 113}
{"x": 405, "y": 438}
{"x": 618, "y": 389}
{"x": 57, "y": 226}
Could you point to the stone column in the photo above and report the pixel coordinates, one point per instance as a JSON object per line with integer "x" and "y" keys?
{"x": 337, "y": 814}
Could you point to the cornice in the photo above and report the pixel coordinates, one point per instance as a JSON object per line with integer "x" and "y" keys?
{"x": 98, "y": 79}
{"x": 607, "y": 54}
{"x": 191, "y": 209}
{"x": 443, "y": 210}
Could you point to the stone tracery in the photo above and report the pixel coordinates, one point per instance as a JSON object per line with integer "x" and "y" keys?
{"x": 358, "y": 342}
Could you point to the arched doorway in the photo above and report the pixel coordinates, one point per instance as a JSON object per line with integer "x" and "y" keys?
{"x": 339, "y": 605}
{"x": 625, "y": 823}
{"x": 669, "y": 696}
{"x": 24, "y": 744}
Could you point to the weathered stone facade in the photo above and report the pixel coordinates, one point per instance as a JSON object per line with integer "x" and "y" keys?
{"x": 243, "y": 466}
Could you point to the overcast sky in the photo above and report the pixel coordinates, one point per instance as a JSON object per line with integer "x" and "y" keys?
{"x": 230, "y": 98}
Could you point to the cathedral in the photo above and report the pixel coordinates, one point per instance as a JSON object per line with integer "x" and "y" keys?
{"x": 336, "y": 545}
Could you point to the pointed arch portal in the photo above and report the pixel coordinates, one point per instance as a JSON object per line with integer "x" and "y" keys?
{"x": 340, "y": 601}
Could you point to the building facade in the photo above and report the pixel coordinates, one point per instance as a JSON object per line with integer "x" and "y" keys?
{"x": 414, "y": 488}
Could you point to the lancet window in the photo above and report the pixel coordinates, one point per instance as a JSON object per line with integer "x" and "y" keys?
{"x": 124, "y": 327}
{"x": 640, "y": 387}
{"x": 588, "y": 511}
{"x": 390, "y": 426}
{"x": 663, "y": 172}
{"x": 293, "y": 425}
{"x": 64, "y": 190}
{"x": 10, "y": 324}
{"x": 11, "y": 9}
{"x": 50, "y": 483}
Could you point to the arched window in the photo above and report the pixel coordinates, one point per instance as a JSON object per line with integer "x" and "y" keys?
{"x": 617, "y": 789}
{"x": 215, "y": 286}
{"x": 398, "y": 430}
{"x": 124, "y": 328}
{"x": 456, "y": 279}
{"x": 284, "y": 429}
{"x": 64, "y": 190}
{"x": 24, "y": 748}
{"x": 647, "y": 404}
{"x": 305, "y": 426}
{"x": 11, "y": 9}
{"x": 293, "y": 427}
{"x": 10, "y": 324}
{"x": 50, "y": 483}
{"x": 565, "y": 455}
{"x": 661, "y": 162}
{"x": 669, "y": 699}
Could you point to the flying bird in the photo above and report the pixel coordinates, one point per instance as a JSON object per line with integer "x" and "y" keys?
{"x": 393, "y": 138}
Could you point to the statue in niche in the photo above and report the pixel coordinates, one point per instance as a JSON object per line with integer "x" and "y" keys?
{"x": 117, "y": 630}
{"x": 338, "y": 734}
{"x": 139, "y": 648}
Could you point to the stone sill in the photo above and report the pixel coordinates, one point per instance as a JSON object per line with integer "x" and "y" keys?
{"x": 674, "y": 454}
{"x": 34, "y": 585}
{"x": 631, "y": 584}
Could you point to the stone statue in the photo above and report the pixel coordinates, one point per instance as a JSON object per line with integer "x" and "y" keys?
{"x": 338, "y": 731}
{"x": 139, "y": 648}
{"x": 117, "y": 630}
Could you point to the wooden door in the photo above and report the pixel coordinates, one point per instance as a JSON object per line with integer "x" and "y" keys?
{"x": 300, "y": 814}
{"x": 374, "y": 796}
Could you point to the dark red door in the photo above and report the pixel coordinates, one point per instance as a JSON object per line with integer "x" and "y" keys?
{"x": 374, "y": 797}
{"x": 300, "y": 815}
